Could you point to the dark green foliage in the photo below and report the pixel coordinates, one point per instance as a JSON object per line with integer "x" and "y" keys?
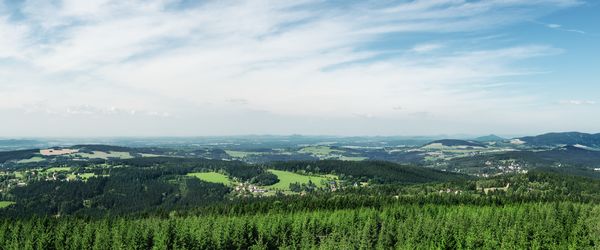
{"x": 571, "y": 155}
{"x": 235, "y": 169}
{"x": 265, "y": 178}
{"x": 374, "y": 171}
{"x": 126, "y": 191}
{"x": 18, "y": 155}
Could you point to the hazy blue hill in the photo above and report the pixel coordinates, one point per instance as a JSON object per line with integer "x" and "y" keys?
{"x": 17, "y": 144}
{"x": 567, "y": 138}
{"x": 489, "y": 138}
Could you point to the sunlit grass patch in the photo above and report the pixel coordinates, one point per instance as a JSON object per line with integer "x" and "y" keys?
{"x": 4, "y": 204}
{"x": 213, "y": 177}
{"x": 32, "y": 160}
{"x": 58, "y": 169}
{"x": 286, "y": 178}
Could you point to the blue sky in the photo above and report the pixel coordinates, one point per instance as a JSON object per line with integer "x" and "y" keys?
{"x": 193, "y": 68}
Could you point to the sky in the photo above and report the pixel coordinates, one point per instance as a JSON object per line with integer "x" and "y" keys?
{"x": 72, "y": 68}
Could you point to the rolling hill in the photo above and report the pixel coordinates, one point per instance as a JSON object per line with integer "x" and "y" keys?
{"x": 560, "y": 139}
{"x": 489, "y": 138}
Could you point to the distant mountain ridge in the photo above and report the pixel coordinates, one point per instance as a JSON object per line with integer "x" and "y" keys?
{"x": 455, "y": 142}
{"x": 567, "y": 138}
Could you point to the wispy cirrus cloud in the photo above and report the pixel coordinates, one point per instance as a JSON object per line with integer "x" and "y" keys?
{"x": 282, "y": 58}
{"x": 561, "y": 28}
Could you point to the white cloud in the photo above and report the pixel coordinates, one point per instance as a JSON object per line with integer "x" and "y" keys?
{"x": 428, "y": 47}
{"x": 561, "y": 28}
{"x": 553, "y": 26}
{"x": 280, "y": 58}
{"x": 577, "y": 102}
{"x": 12, "y": 38}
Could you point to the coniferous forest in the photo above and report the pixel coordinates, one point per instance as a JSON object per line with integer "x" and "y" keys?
{"x": 559, "y": 225}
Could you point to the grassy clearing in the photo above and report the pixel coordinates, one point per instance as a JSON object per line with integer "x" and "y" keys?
{"x": 32, "y": 160}
{"x": 286, "y": 178}
{"x": 58, "y": 169}
{"x": 213, "y": 177}
{"x": 4, "y": 204}
{"x": 319, "y": 150}
{"x": 331, "y": 176}
{"x": 105, "y": 155}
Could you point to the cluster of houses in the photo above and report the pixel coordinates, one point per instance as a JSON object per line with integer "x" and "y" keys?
{"x": 504, "y": 168}
{"x": 450, "y": 191}
{"x": 32, "y": 175}
{"x": 246, "y": 187}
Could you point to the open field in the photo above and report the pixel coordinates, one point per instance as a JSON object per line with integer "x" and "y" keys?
{"x": 286, "y": 178}
{"x": 105, "y": 155}
{"x": 58, "y": 169}
{"x": 32, "y": 160}
{"x": 19, "y": 174}
{"x": 212, "y": 177}
{"x": 52, "y": 152}
{"x": 4, "y": 204}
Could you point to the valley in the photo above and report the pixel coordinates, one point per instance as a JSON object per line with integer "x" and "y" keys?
{"x": 258, "y": 180}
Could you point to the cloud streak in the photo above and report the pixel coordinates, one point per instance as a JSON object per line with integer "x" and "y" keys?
{"x": 577, "y": 102}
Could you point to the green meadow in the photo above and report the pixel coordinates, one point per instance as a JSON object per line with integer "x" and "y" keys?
{"x": 212, "y": 177}
{"x": 58, "y": 169}
{"x": 32, "y": 160}
{"x": 286, "y": 178}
